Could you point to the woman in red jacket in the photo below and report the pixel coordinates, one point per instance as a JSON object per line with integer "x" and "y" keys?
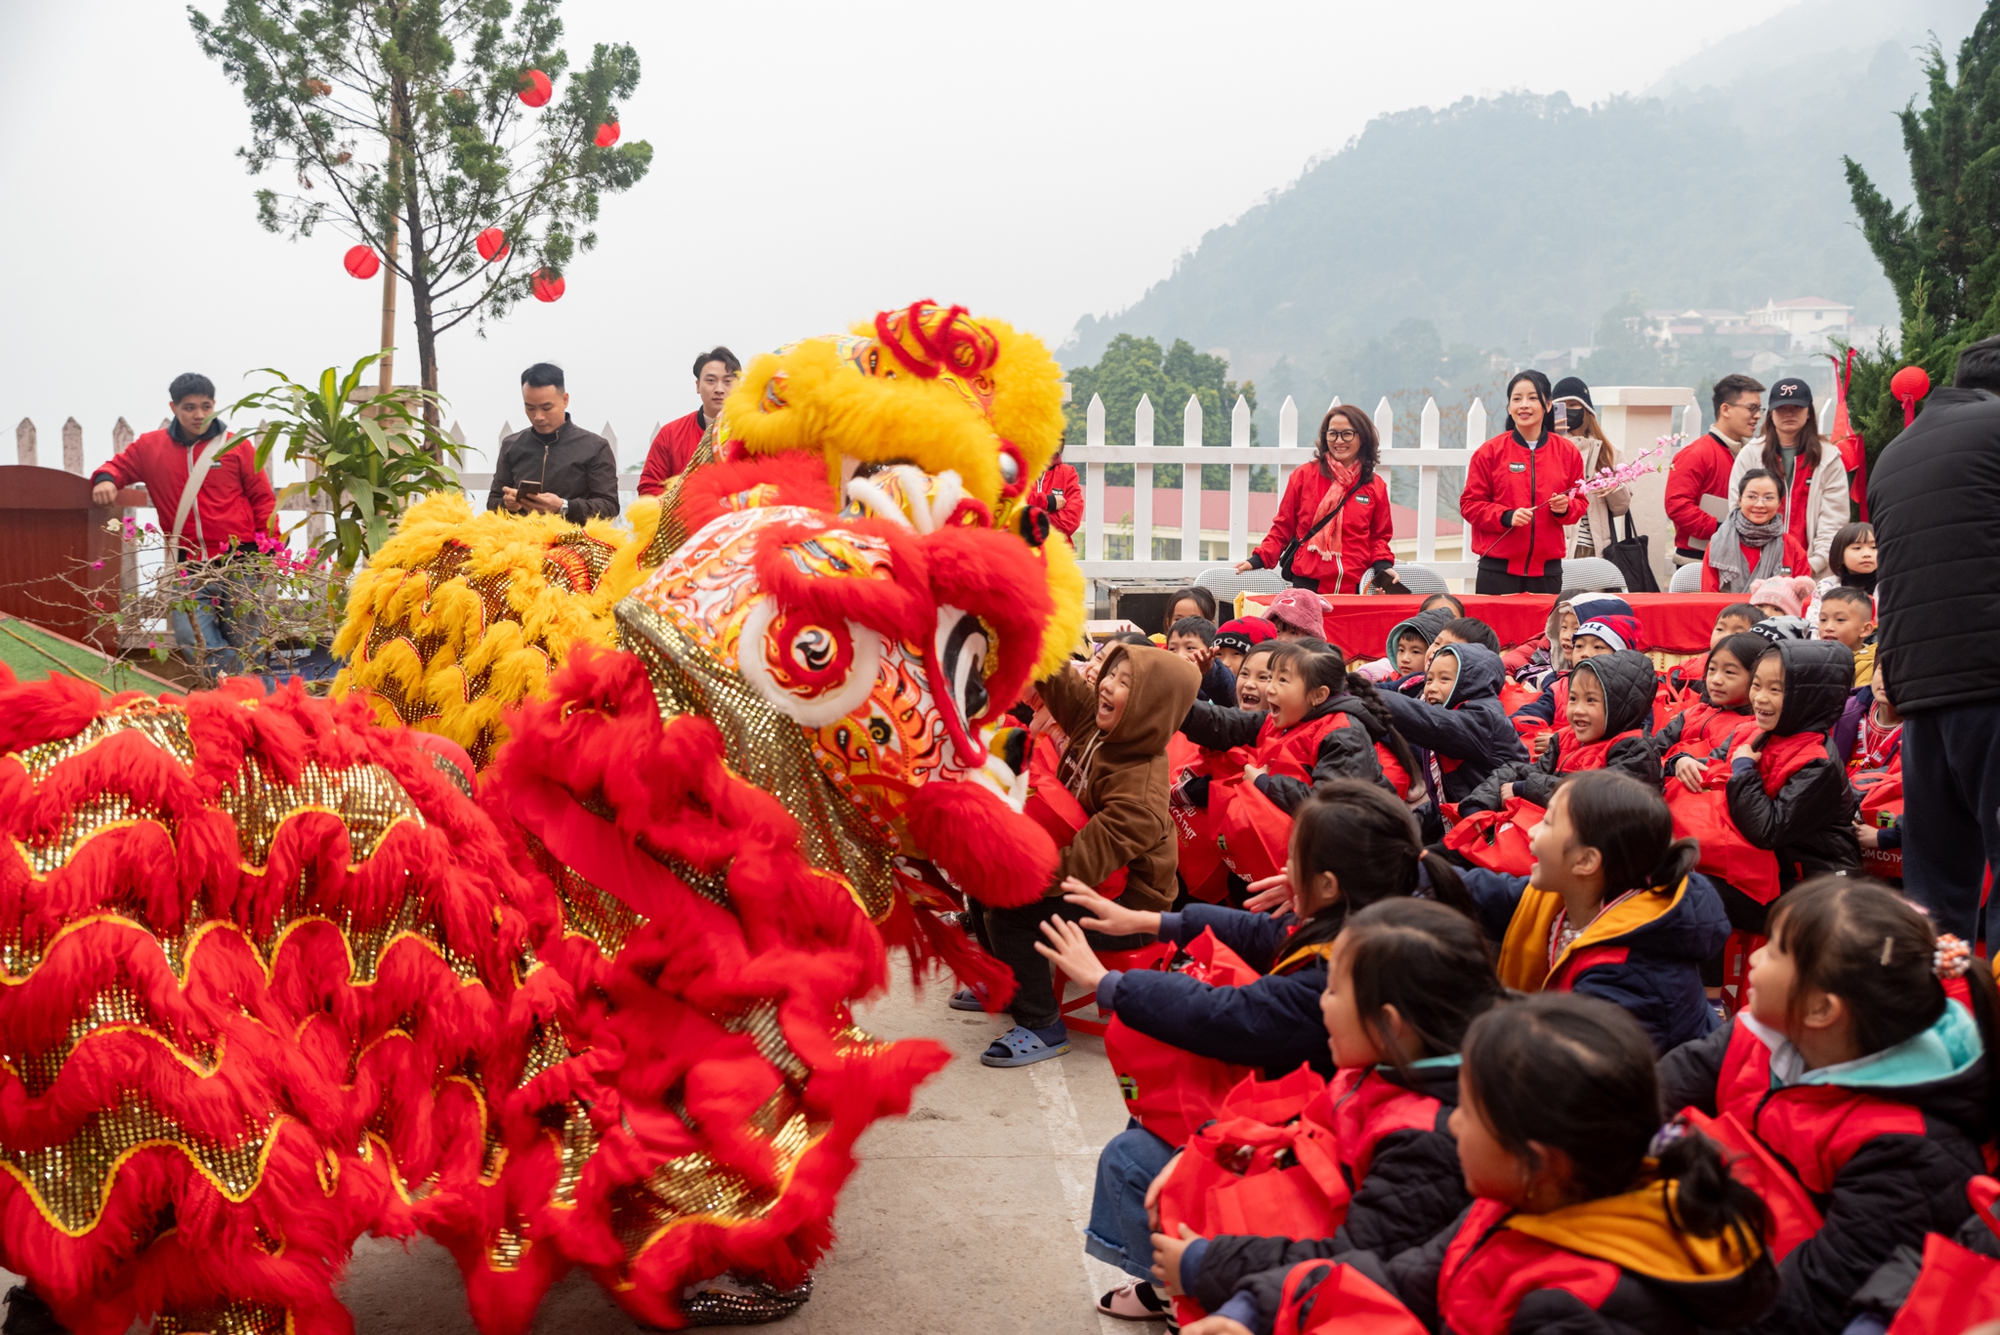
{"x": 1333, "y": 524}
{"x": 1516, "y": 493}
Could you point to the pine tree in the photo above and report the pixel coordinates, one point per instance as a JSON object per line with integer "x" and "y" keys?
{"x": 1941, "y": 254}
{"x": 399, "y": 120}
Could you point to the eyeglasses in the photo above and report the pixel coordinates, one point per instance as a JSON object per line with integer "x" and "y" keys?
{"x": 1344, "y": 437}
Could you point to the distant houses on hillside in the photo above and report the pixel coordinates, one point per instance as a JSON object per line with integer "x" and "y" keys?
{"x": 1760, "y": 340}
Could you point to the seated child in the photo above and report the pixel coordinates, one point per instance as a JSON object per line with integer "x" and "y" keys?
{"x": 1459, "y": 724}
{"x": 1871, "y": 738}
{"x": 1192, "y": 638}
{"x": 1406, "y": 980}
{"x": 1322, "y": 723}
{"x": 1848, "y": 615}
{"x": 1691, "y": 736}
{"x": 1851, "y": 560}
{"x": 1685, "y": 677}
{"x": 1352, "y": 845}
{"x": 1116, "y": 766}
{"x": 1193, "y": 601}
{"x": 1788, "y": 791}
{"x": 1856, "y": 1069}
{"x": 1610, "y": 719}
{"x": 1436, "y": 600}
{"x": 1408, "y": 649}
{"x": 1297, "y": 614}
{"x": 1254, "y": 680}
{"x": 1235, "y": 640}
{"x": 1581, "y": 1222}
{"x": 1604, "y": 622}
{"x": 1782, "y": 596}
{"x": 1466, "y": 630}
{"x": 1613, "y": 907}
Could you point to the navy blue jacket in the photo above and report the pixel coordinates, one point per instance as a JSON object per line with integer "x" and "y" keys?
{"x": 1273, "y": 1023}
{"x": 1471, "y": 727}
{"x": 1651, "y": 966}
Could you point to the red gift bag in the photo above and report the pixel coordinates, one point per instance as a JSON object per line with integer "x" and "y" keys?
{"x": 1498, "y": 840}
{"x": 1956, "y": 1290}
{"x": 1881, "y": 806}
{"x": 1794, "y": 1217}
{"x": 1196, "y": 828}
{"x": 1265, "y": 1165}
{"x": 1055, "y": 808}
{"x": 1171, "y": 1090}
{"x": 1321, "y": 1297}
{"x": 1254, "y": 835}
{"x": 1704, "y": 816}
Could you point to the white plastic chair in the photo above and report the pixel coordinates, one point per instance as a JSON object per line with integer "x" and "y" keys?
{"x": 1225, "y": 582}
{"x": 1420, "y": 578}
{"x": 1592, "y": 574}
{"x": 1687, "y": 579}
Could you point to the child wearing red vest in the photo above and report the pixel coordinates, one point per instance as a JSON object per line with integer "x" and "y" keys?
{"x": 1406, "y": 980}
{"x": 1581, "y": 1222}
{"x": 1854, "y": 1067}
{"x": 1610, "y": 716}
{"x": 1320, "y": 722}
{"x": 1692, "y": 735}
{"x": 1684, "y": 678}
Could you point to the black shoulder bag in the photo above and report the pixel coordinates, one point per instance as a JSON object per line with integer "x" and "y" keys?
{"x": 1292, "y": 548}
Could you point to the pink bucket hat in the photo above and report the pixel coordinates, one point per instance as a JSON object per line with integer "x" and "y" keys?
{"x": 1301, "y": 609}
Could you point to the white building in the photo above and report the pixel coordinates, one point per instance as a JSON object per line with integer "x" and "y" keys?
{"x": 1809, "y": 320}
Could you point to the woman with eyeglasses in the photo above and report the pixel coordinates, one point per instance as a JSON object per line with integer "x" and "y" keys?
{"x": 1516, "y": 497}
{"x": 1333, "y": 525}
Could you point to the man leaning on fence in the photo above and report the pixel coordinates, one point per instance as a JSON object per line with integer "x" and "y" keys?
{"x": 555, "y": 466}
{"x": 211, "y": 495}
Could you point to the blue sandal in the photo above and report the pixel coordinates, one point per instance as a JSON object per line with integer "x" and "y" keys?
{"x": 1022, "y": 1047}
{"x": 968, "y": 999}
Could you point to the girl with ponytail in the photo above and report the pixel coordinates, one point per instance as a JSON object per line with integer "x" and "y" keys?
{"x": 1613, "y": 908}
{"x": 1585, "y": 1216}
{"x": 1863, "y": 1064}
{"x": 1352, "y": 845}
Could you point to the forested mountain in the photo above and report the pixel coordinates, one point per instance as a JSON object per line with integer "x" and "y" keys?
{"x": 1404, "y": 259}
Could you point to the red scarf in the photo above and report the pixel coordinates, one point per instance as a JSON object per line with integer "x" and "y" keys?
{"x": 1327, "y": 541}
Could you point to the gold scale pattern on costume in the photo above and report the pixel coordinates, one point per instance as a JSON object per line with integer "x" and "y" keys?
{"x": 235, "y": 1319}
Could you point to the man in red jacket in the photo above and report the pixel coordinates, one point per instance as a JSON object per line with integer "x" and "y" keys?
{"x": 212, "y": 499}
{"x": 1059, "y": 492}
{"x": 1701, "y": 469}
{"x": 715, "y": 373}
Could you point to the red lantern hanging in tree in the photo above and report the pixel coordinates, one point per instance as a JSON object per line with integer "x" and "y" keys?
{"x": 607, "y": 134}
{"x": 362, "y": 262}
{"x": 1908, "y": 385}
{"x": 547, "y": 286}
{"x": 535, "y": 88}
{"x": 492, "y": 244}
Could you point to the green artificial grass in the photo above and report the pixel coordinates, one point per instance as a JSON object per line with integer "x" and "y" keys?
{"x": 33, "y": 653}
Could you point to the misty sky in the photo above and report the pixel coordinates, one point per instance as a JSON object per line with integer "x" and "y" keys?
{"x": 813, "y": 163}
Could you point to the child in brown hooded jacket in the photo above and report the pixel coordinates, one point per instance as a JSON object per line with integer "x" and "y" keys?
{"x": 1116, "y": 766}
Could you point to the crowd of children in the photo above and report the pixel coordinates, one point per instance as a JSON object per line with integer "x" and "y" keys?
{"x": 1498, "y": 988}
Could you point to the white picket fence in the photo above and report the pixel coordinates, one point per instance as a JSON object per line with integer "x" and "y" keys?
{"x": 1429, "y": 456}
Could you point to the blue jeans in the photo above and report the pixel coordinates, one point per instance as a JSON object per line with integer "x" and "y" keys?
{"x": 222, "y": 618}
{"x": 1118, "y": 1233}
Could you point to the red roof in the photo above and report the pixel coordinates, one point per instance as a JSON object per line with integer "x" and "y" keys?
{"x": 1215, "y": 513}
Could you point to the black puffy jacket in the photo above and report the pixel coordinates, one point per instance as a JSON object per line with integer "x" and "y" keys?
{"x": 1934, "y": 496}
{"x": 1809, "y": 821}
{"x": 1471, "y": 729}
{"x": 1629, "y": 681}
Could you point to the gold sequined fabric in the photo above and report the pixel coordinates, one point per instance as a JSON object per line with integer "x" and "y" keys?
{"x": 673, "y": 530}
{"x": 233, "y": 1319}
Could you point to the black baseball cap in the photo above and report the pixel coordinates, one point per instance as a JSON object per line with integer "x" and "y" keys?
{"x": 1791, "y": 391}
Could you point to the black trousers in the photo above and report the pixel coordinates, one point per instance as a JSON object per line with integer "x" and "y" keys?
{"x": 1951, "y": 810}
{"x": 1493, "y": 578}
{"x": 1010, "y": 936}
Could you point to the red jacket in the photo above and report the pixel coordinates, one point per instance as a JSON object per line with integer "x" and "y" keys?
{"x": 1504, "y": 475}
{"x": 234, "y": 504}
{"x": 1796, "y": 561}
{"x": 1366, "y": 526}
{"x": 1700, "y": 469}
{"x": 1060, "y": 492}
{"x": 670, "y": 452}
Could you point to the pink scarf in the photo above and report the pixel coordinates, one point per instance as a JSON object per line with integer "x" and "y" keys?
{"x": 1326, "y": 542}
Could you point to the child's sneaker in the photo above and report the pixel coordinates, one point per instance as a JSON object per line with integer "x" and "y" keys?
{"x": 1136, "y": 1301}
{"x": 1025, "y": 1047}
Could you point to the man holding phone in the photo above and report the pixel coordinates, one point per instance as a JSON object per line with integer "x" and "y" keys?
{"x": 555, "y": 466}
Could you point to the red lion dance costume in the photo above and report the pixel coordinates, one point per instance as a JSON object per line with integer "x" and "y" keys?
{"x": 275, "y": 978}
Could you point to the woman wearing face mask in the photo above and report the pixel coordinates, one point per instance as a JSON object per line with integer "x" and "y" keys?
{"x": 1333, "y": 524}
{"x": 1516, "y": 496}
{"x": 1752, "y": 542}
{"x": 1576, "y": 418}
{"x": 1812, "y": 478}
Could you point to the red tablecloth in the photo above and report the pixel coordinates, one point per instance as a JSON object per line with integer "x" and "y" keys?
{"x": 1675, "y": 622}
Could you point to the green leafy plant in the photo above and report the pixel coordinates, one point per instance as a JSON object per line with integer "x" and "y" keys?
{"x": 372, "y": 455}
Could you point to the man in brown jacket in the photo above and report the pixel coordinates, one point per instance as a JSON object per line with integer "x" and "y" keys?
{"x": 1116, "y": 766}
